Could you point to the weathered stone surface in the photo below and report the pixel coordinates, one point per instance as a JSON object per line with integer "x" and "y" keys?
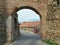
{"x": 39, "y": 5}
{"x": 49, "y": 11}
{"x": 53, "y": 21}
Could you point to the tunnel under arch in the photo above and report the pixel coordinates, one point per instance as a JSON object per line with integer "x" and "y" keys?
{"x": 15, "y": 16}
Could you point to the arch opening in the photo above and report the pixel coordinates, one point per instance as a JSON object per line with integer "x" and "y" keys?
{"x": 30, "y": 8}
{"x": 28, "y": 15}
{"x": 36, "y": 23}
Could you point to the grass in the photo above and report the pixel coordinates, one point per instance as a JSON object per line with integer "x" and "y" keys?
{"x": 50, "y": 42}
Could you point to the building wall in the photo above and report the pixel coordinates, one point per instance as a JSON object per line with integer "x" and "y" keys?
{"x": 32, "y": 29}
{"x": 27, "y": 28}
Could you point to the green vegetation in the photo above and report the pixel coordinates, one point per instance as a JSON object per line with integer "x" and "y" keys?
{"x": 50, "y": 42}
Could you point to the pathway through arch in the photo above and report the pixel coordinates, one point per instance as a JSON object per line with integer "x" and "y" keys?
{"x": 28, "y": 38}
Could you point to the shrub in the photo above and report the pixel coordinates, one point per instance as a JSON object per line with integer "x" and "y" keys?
{"x": 50, "y": 42}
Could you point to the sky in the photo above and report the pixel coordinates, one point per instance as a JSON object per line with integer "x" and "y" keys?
{"x": 27, "y": 15}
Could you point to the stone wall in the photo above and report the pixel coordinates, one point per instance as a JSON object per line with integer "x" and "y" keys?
{"x": 49, "y": 11}
{"x": 53, "y": 21}
{"x": 3, "y": 36}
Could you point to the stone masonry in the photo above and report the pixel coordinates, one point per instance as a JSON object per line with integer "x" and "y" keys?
{"x": 48, "y": 10}
{"x": 53, "y": 21}
{"x": 3, "y": 35}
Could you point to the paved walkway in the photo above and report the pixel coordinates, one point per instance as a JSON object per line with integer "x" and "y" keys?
{"x": 28, "y": 38}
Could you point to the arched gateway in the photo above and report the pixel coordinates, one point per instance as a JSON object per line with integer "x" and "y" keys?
{"x": 45, "y": 8}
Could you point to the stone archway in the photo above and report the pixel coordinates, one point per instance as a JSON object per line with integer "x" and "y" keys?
{"x": 39, "y": 7}
{"x": 9, "y": 7}
{"x": 15, "y": 20}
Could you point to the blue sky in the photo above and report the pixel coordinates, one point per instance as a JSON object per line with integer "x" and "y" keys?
{"x": 27, "y": 15}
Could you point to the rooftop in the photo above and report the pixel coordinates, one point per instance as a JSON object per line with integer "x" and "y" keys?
{"x": 30, "y": 24}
